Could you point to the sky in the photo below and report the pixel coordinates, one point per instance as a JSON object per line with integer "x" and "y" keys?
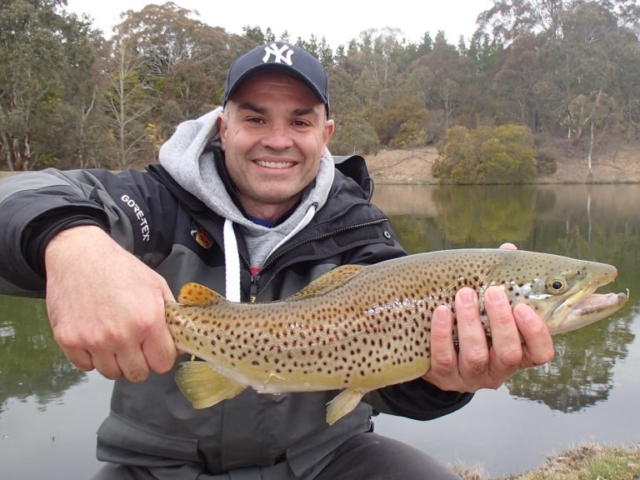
{"x": 339, "y": 21}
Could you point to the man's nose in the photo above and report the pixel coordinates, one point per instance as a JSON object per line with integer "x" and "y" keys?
{"x": 277, "y": 138}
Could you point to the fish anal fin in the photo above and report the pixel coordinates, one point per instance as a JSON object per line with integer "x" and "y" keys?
{"x": 198, "y": 295}
{"x": 329, "y": 281}
{"x": 342, "y": 404}
{"x": 203, "y": 386}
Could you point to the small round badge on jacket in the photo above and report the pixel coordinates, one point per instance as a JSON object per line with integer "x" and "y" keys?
{"x": 201, "y": 236}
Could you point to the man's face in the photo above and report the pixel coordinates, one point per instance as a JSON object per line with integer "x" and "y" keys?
{"x": 274, "y": 132}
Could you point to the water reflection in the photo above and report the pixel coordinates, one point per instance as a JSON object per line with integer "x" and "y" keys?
{"x": 581, "y": 375}
{"x": 485, "y": 216}
{"x": 31, "y": 363}
{"x": 575, "y": 221}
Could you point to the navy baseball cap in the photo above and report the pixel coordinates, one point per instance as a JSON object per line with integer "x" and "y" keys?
{"x": 284, "y": 57}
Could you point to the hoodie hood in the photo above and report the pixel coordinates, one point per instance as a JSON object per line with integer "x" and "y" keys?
{"x": 185, "y": 159}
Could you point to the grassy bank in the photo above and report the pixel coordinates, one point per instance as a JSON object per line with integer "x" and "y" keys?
{"x": 587, "y": 462}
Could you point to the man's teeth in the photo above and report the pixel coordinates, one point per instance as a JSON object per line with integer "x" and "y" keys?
{"x": 262, "y": 163}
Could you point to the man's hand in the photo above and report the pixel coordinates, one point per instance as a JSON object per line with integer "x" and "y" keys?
{"x": 478, "y": 365}
{"x": 106, "y": 307}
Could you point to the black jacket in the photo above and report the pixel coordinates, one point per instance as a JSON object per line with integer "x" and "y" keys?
{"x": 151, "y": 423}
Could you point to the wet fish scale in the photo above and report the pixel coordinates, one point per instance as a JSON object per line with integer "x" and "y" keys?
{"x": 361, "y": 328}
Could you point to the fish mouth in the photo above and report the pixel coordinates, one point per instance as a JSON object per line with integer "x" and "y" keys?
{"x": 586, "y": 308}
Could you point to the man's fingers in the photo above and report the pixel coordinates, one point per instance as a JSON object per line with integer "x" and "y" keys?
{"x": 133, "y": 363}
{"x": 160, "y": 351}
{"x": 444, "y": 358}
{"x": 507, "y": 347}
{"x": 80, "y": 358}
{"x": 537, "y": 342}
{"x": 474, "y": 354}
{"x": 107, "y": 365}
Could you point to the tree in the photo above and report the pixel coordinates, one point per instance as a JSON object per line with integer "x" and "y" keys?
{"x": 507, "y": 20}
{"x": 129, "y": 100}
{"x": 256, "y": 34}
{"x": 44, "y": 55}
{"x": 441, "y": 72}
{"x": 517, "y": 79}
{"x": 593, "y": 111}
{"x": 165, "y": 67}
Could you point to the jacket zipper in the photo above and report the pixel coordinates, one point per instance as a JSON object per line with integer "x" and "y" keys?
{"x": 253, "y": 288}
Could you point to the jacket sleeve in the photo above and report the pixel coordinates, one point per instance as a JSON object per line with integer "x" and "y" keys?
{"x": 416, "y": 399}
{"x": 35, "y": 206}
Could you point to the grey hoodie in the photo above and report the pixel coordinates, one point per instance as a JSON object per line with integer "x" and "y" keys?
{"x": 183, "y": 156}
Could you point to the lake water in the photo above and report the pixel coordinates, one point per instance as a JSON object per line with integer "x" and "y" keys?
{"x": 49, "y": 411}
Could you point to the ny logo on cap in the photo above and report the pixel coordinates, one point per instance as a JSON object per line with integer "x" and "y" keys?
{"x": 280, "y": 55}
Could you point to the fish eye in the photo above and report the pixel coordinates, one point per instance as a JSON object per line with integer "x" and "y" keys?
{"x": 556, "y": 285}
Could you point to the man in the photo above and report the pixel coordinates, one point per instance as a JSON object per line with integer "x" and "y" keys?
{"x": 248, "y": 202}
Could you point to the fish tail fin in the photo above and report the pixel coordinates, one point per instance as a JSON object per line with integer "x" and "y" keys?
{"x": 203, "y": 386}
{"x": 342, "y": 404}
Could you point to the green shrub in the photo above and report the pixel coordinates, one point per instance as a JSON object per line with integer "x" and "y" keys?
{"x": 504, "y": 154}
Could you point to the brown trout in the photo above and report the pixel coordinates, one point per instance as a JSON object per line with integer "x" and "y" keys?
{"x": 360, "y": 328}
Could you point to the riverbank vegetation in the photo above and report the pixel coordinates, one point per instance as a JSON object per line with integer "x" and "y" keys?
{"x": 73, "y": 97}
{"x": 586, "y": 462}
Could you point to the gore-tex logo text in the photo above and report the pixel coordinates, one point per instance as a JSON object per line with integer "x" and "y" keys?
{"x": 144, "y": 225}
{"x": 280, "y": 55}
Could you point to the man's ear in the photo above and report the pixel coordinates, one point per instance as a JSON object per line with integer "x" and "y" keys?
{"x": 329, "y": 128}
{"x": 222, "y": 128}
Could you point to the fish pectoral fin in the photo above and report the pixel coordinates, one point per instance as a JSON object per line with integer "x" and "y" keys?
{"x": 198, "y": 295}
{"x": 342, "y": 404}
{"x": 203, "y": 386}
{"x": 329, "y": 281}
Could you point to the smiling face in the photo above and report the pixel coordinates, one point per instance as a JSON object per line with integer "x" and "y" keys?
{"x": 274, "y": 132}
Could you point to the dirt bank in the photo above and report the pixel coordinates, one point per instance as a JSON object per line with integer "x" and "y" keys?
{"x": 616, "y": 162}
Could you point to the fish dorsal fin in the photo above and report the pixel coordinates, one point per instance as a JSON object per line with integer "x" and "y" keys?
{"x": 198, "y": 295}
{"x": 329, "y": 281}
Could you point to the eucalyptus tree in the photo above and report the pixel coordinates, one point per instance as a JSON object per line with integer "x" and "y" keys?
{"x": 517, "y": 79}
{"x": 166, "y": 66}
{"x": 628, "y": 85}
{"x": 439, "y": 76}
{"x": 43, "y": 56}
{"x": 508, "y": 20}
{"x": 587, "y": 73}
{"x": 130, "y": 98}
{"x": 184, "y": 59}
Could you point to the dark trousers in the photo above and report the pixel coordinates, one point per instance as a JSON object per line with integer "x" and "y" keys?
{"x": 367, "y": 456}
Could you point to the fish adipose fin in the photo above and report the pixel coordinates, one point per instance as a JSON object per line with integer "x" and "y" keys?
{"x": 331, "y": 280}
{"x": 198, "y": 295}
{"x": 342, "y": 404}
{"x": 203, "y": 386}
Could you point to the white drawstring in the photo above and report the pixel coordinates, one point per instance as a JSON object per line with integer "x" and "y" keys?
{"x": 232, "y": 263}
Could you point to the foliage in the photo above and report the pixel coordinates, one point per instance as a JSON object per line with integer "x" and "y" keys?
{"x": 70, "y": 97}
{"x": 46, "y": 79}
{"x": 504, "y": 154}
{"x": 546, "y": 163}
{"x": 583, "y": 461}
{"x": 354, "y": 136}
